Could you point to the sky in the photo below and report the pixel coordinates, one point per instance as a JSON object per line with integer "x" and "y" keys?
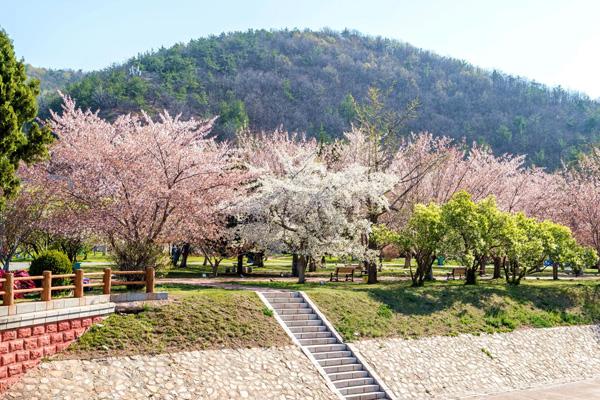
{"x": 556, "y": 42}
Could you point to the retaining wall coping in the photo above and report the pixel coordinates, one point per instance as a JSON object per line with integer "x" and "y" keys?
{"x": 37, "y": 306}
{"x": 137, "y": 296}
{"x": 55, "y": 315}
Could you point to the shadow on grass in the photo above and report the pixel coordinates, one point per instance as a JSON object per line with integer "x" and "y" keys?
{"x": 404, "y": 299}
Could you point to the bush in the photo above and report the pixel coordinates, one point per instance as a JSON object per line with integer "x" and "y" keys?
{"x": 54, "y": 261}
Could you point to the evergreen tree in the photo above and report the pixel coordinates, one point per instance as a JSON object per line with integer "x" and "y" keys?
{"x": 21, "y": 139}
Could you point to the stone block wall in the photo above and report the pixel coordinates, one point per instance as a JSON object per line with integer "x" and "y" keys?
{"x": 22, "y": 349}
{"x": 467, "y": 365}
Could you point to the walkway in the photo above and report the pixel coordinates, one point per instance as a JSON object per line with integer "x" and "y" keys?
{"x": 582, "y": 390}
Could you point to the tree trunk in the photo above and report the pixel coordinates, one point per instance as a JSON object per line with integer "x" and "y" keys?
{"x": 215, "y": 268}
{"x": 6, "y": 264}
{"x": 372, "y": 266}
{"x": 175, "y": 254}
{"x": 407, "y": 260}
{"x": 312, "y": 265}
{"x": 429, "y": 273}
{"x": 471, "y": 276}
{"x": 497, "y": 268}
{"x": 259, "y": 259}
{"x": 294, "y": 264}
{"x": 482, "y": 266}
{"x": 240, "y": 264}
{"x": 372, "y": 272}
{"x": 301, "y": 269}
{"x": 205, "y": 261}
{"x": 554, "y": 271}
{"x": 185, "y": 252}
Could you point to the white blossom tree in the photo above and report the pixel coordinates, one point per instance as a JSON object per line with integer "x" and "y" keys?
{"x": 310, "y": 211}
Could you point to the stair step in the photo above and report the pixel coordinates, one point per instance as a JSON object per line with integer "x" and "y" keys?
{"x": 278, "y": 300}
{"x": 367, "y": 396}
{"x": 360, "y": 389}
{"x": 332, "y": 354}
{"x": 335, "y": 369}
{"x": 315, "y": 349}
{"x": 294, "y": 311}
{"x": 299, "y": 317}
{"x": 337, "y": 361}
{"x": 303, "y": 323}
{"x": 280, "y": 295}
{"x": 313, "y": 335}
{"x": 306, "y": 329}
{"x": 353, "y": 382}
{"x": 341, "y": 376}
{"x": 284, "y": 306}
{"x": 312, "y": 342}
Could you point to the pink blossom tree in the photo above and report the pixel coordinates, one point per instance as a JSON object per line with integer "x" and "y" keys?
{"x": 24, "y": 213}
{"x": 141, "y": 183}
{"x": 581, "y": 199}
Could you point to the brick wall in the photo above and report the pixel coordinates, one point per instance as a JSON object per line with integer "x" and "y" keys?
{"x": 23, "y": 348}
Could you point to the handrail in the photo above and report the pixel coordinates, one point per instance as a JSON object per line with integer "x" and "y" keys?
{"x": 105, "y": 280}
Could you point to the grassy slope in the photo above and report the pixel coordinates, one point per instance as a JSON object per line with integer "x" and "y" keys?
{"x": 194, "y": 320}
{"x": 451, "y": 308}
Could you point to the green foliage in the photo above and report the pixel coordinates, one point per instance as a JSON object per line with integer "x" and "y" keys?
{"x": 54, "y": 261}
{"x": 232, "y": 118}
{"x": 267, "y": 312}
{"x": 307, "y": 80}
{"x": 473, "y": 230}
{"x": 21, "y": 139}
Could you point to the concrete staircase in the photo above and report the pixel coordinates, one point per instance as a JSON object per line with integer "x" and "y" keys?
{"x": 319, "y": 341}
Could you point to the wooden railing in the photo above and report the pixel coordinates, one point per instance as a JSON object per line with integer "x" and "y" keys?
{"x": 105, "y": 280}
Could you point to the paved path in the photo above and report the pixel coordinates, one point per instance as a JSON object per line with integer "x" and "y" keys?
{"x": 588, "y": 389}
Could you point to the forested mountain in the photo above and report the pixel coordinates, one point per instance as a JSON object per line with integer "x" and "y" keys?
{"x": 306, "y": 81}
{"x": 51, "y": 80}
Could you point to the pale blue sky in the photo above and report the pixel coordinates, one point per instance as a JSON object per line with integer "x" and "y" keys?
{"x": 551, "y": 41}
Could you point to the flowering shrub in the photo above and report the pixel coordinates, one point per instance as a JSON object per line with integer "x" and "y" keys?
{"x": 24, "y": 284}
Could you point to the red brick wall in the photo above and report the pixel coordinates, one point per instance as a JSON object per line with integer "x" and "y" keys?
{"x": 23, "y": 348}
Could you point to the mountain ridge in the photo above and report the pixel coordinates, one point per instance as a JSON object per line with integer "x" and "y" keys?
{"x": 306, "y": 81}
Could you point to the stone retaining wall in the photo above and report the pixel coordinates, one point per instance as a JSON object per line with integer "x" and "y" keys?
{"x": 30, "y": 331}
{"x": 457, "y": 367}
{"x": 22, "y": 349}
{"x": 265, "y": 374}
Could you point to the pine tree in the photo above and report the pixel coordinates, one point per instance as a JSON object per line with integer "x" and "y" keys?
{"x": 21, "y": 139}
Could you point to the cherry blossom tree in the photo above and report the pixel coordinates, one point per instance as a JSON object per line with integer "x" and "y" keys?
{"x": 23, "y": 213}
{"x": 308, "y": 210}
{"x": 139, "y": 182}
{"x": 580, "y": 195}
{"x": 407, "y": 160}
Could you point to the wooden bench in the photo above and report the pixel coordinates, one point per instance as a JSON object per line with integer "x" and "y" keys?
{"x": 460, "y": 271}
{"x": 346, "y": 270}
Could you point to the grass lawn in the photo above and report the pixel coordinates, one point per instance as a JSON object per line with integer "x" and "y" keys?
{"x": 196, "y": 319}
{"x": 450, "y": 308}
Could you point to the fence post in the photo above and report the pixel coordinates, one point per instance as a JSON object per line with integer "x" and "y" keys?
{"x": 47, "y": 286}
{"x": 78, "y": 283}
{"x": 106, "y": 280}
{"x": 9, "y": 295}
{"x": 149, "y": 280}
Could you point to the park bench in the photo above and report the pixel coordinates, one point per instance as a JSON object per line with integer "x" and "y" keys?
{"x": 348, "y": 271}
{"x": 460, "y": 271}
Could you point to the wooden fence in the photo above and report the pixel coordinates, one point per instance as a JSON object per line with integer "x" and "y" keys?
{"x": 102, "y": 279}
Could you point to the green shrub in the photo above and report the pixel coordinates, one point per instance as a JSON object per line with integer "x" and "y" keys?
{"x": 53, "y": 261}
